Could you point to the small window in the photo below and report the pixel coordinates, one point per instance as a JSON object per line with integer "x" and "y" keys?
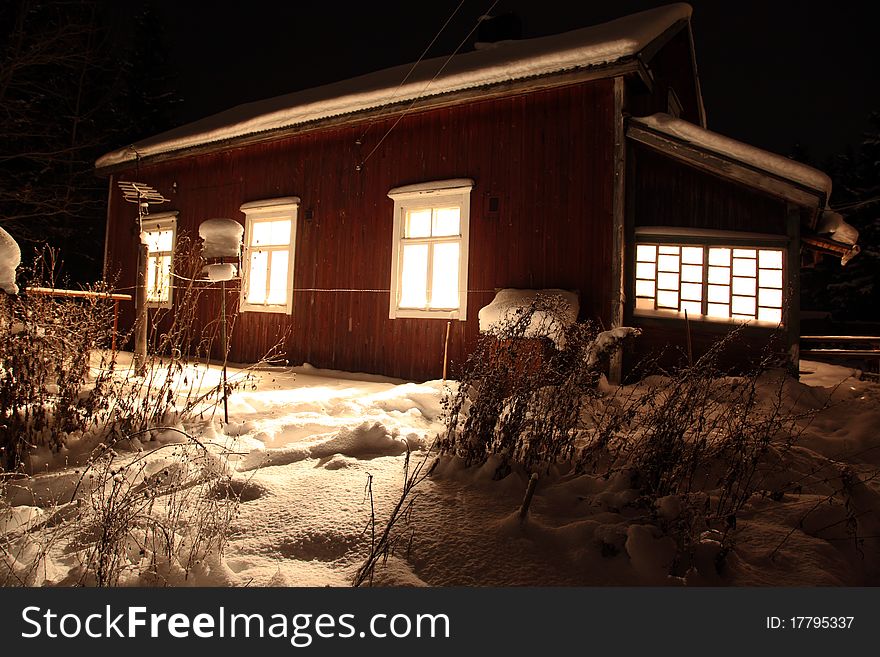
{"x": 711, "y": 282}
{"x": 270, "y": 232}
{"x": 159, "y": 233}
{"x": 430, "y": 250}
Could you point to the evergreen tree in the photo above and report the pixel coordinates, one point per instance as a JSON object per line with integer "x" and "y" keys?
{"x": 852, "y": 292}
{"x": 70, "y": 90}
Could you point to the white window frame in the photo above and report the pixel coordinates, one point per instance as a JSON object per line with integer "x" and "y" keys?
{"x": 260, "y": 211}
{"x": 157, "y": 222}
{"x": 706, "y": 240}
{"x": 456, "y": 192}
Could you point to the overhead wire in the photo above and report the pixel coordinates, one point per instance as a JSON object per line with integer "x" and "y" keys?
{"x": 413, "y": 67}
{"x": 418, "y": 97}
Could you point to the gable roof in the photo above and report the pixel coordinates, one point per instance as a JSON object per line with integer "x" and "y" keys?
{"x": 732, "y": 159}
{"x": 609, "y": 43}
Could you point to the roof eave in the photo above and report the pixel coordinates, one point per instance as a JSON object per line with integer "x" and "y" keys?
{"x": 728, "y": 167}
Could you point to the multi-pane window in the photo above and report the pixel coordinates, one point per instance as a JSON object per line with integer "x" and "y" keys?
{"x": 429, "y": 268}
{"x": 710, "y": 282}
{"x": 270, "y": 228}
{"x": 159, "y": 233}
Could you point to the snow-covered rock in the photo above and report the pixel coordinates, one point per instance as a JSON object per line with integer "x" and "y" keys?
{"x": 10, "y": 259}
{"x": 509, "y": 302}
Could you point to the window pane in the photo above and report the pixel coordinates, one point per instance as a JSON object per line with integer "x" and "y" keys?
{"x": 692, "y": 273}
{"x": 444, "y": 278}
{"x": 158, "y": 278}
{"x": 768, "y": 259}
{"x": 718, "y": 310}
{"x": 692, "y": 255}
{"x": 278, "y": 278}
{"x": 744, "y": 253}
{"x": 667, "y": 281}
{"x": 414, "y": 276}
{"x": 744, "y": 267}
{"x": 719, "y": 275}
{"x": 645, "y": 270}
{"x": 646, "y": 253}
{"x": 257, "y": 277}
{"x": 644, "y": 304}
{"x": 667, "y": 299}
{"x": 418, "y": 223}
{"x": 745, "y": 286}
{"x": 668, "y": 250}
{"x": 719, "y": 294}
{"x": 151, "y": 278}
{"x": 644, "y": 288}
{"x": 771, "y": 298}
{"x": 667, "y": 262}
{"x": 773, "y": 315}
{"x": 447, "y": 221}
{"x": 719, "y": 256}
{"x": 743, "y": 306}
{"x": 271, "y": 233}
{"x": 693, "y": 308}
{"x": 692, "y": 291}
{"x": 159, "y": 240}
{"x": 770, "y": 278}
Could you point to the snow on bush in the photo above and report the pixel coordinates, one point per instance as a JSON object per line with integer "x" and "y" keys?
{"x": 222, "y": 238}
{"x": 10, "y": 259}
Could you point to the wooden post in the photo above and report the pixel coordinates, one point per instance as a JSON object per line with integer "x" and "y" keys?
{"x": 115, "y": 324}
{"x": 224, "y": 346}
{"x": 140, "y": 304}
{"x": 446, "y": 349}
{"x": 618, "y": 222}
{"x": 527, "y": 501}
{"x": 687, "y": 328}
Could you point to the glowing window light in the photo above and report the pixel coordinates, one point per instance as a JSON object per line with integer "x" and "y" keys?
{"x": 158, "y": 236}
{"x": 268, "y": 273}
{"x": 715, "y": 282}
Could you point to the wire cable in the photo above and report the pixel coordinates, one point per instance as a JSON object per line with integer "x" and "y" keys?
{"x": 413, "y": 67}
{"x": 430, "y": 82}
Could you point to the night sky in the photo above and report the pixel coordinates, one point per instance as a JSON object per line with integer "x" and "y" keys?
{"x": 774, "y": 74}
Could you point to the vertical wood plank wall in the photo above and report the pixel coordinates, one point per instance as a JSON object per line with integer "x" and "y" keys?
{"x": 546, "y": 155}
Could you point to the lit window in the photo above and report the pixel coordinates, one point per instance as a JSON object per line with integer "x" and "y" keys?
{"x": 429, "y": 261}
{"x": 270, "y": 232}
{"x": 159, "y": 233}
{"x": 710, "y": 282}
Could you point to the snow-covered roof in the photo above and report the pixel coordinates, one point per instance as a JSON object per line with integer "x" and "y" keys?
{"x": 583, "y": 48}
{"x": 736, "y": 150}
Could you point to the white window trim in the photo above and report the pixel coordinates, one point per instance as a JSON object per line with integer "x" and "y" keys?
{"x": 706, "y": 238}
{"x": 430, "y": 194}
{"x": 267, "y": 210}
{"x": 162, "y": 221}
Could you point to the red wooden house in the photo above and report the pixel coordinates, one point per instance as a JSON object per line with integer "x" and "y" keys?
{"x": 376, "y": 213}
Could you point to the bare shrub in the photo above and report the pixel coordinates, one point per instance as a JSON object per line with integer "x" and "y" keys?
{"x": 521, "y": 397}
{"x": 49, "y": 386}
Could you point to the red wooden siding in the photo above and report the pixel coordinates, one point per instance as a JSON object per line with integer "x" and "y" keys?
{"x": 546, "y": 155}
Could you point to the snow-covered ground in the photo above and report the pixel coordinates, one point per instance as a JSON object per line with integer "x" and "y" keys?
{"x": 306, "y": 442}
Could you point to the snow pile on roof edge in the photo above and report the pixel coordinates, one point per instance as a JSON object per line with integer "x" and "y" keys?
{"x": 737, "y": 150}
